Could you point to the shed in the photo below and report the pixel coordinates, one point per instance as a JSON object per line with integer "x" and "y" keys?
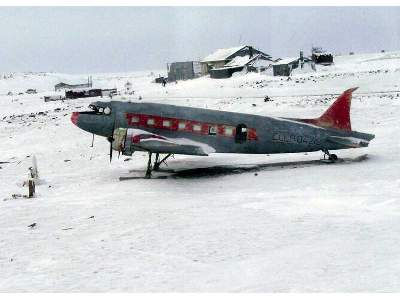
{"x": 183, "y": 70}
{"x": 285, "y": 66}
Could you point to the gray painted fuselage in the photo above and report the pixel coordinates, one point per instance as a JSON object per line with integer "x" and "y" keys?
{"x": 274, "y": 135}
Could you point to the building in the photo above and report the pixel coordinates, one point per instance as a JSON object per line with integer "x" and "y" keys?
{"x": 256, "y": 63}
{"x": 320, "y": 56}
{"x": 82, "y": 93}
{"x": 221, "y": 57}
{"x": 65, "y": 86}
{"x": 284, "y": 67}
{"x": 183, "y": 70}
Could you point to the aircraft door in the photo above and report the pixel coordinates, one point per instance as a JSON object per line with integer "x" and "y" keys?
{"x": 241, "y": 133}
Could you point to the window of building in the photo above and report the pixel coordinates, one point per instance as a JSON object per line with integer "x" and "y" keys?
{"x": 150, "y": 121}
{"x": 166, "y": 123}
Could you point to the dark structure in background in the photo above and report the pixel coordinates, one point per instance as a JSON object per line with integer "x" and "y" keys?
{"x": 254, "y": 63}
{"x": 82, "y": 93}
{"x": 320, "y": 56}
{"x": 183, "y": 70}
{"x": 222, "y": 57}
{"x": 160, "y": 79}
{"x": 85, "y": 93}
{"x": 285, "y": 66}
{"x": 65, "y": 86}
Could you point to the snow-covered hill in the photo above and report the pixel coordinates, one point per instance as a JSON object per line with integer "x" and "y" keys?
{"x": 248, "y": 225}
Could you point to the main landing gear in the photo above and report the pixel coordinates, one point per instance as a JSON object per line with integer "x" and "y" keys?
{"x": 331, "y": 157}
{"x": 156, "y": 165}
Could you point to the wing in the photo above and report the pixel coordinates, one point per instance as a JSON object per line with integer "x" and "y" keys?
{"x": 348, "y": 142}
{"x": 140, "y": 140}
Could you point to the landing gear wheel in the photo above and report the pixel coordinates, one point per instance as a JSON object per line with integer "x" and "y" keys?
{"x": 333, "y": 157}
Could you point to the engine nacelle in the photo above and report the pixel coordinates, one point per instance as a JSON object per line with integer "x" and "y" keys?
{"x": 122, "y": 141}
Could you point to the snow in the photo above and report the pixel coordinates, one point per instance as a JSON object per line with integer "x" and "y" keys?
{"x": 239, "y": 61}
{"x": 295, "y": 227}
{"x": 222, "y": 54}
{"x": 285, "y": 61}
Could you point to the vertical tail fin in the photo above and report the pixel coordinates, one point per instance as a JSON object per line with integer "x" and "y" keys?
{"x": 337, "y": 115}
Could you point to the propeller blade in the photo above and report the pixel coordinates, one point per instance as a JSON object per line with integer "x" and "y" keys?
{"x": 111, "y": 152}
{"x": 111, "y": 139}
{"x": 92, "y": 141}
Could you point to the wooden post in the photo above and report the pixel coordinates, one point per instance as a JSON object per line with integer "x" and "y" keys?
{"x": 31, "y": 188}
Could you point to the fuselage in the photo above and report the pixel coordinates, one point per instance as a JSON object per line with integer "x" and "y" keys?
{"x": 226, "y": 132}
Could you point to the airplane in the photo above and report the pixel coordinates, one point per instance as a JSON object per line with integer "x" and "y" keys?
{"x": 169, "y": 129}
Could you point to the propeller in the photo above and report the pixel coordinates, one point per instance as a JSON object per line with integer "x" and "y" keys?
{"x": 92, "y": 141}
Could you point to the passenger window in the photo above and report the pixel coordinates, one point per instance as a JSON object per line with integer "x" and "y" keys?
{"x": 196, "y": 128}
{"x": 135, "y": 119}
{"x": 228, "y": 131}
{"x": 212, "y": 130}
{"x": 182, "y": 125}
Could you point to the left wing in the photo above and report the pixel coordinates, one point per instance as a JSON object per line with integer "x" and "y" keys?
{"x": 129, "y": 140}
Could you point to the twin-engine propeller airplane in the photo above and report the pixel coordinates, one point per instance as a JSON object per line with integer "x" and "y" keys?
{"x": 168, "y": 129}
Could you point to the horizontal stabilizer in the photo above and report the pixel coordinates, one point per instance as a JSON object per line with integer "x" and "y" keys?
{"x": 348, "y": 142}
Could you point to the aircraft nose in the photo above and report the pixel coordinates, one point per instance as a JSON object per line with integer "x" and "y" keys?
{"x": 74, "y": 118}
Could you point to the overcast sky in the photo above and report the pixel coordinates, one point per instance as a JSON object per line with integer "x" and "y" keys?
{"x": 117, "y": 39}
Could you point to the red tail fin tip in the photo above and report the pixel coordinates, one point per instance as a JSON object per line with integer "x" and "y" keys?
{"x": 337, "y": 116}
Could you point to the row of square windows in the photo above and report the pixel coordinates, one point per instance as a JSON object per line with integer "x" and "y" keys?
{"x": 182, "y": 125}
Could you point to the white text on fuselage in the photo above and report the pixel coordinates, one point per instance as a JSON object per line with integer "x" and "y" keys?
{"x": 288, "y": 138}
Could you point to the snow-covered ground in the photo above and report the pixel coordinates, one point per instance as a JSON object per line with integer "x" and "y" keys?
{"x": 251, "y": 226}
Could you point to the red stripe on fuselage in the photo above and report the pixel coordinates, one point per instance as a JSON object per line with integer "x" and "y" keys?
{"x": 157, "y": 122}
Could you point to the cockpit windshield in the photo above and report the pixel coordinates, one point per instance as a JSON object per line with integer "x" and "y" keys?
{"x": 100, "y": 110}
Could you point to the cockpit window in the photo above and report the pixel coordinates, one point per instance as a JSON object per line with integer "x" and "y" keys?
{"x": 107, "y": 111}
{"x": 100, "y": 110}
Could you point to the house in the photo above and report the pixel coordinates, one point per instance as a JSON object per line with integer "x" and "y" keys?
{"x": 255, "y": 63}
{"x": 183, "y": 70}
{"x": 65, "y": 86}
{"x": 284, "y": 67}
{"x": 221, "y": 57}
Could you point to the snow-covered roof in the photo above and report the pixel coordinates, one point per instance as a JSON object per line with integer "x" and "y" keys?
{"x": 286, "y": 61}
{"x": 239, "y": 61}
{"x": 222, "y": 54}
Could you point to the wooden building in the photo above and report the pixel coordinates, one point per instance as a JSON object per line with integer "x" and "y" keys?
{"x": 221, "y": 57}
{"x": 183, "y": 70}
{"x": 256, "y": 63}
{"x": 284, "y": 67}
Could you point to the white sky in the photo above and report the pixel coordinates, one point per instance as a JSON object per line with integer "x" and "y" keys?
{"x": 113, "y": 39}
